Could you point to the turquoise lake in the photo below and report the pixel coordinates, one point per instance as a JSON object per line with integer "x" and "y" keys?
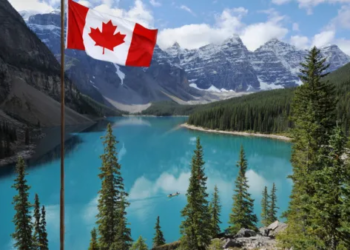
{"x": 155, "y": 156}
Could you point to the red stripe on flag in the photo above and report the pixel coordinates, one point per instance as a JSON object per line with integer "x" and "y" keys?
{"x": 142, "y": 46}
{"x": 76, "y": 22}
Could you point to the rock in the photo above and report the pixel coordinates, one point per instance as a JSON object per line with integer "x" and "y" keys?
{"x": 231, "y": 243}
{"x": 275, "y": 228}
{"x": 255, "y": 242}
{"x": 264, "y": 231}
{"x": 245, "y": 233}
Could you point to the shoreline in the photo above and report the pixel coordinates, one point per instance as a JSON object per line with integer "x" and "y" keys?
{"x": 239, "y": 133}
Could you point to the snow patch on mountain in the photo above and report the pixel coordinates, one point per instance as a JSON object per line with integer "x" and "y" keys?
{"x": 269, "y": 86}
{"x": 120, "y": 74}
{"x": 212, "y": 88}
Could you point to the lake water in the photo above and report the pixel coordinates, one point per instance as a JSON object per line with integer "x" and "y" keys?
{"x": 155, "y": 156}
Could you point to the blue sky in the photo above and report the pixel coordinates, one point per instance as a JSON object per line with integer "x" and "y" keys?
{"x": 194, "y": 23}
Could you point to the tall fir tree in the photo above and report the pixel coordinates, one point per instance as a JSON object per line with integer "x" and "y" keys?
{"x": 36, "y": 226}
{"x": 328, "y": 219}
{"x": 194, "y": 228}
{"x": 122, "y": 239}
{"x": 43, "y": 241}
{"x": 265, "y": 208}
{"x": 140, "y": 244}
{"x": 242, "y": 215}
{"x": 313, "y": 117}
{"x": 93, "y": 242}
{"x": 272, "y": 211}
{"x": 215, "y": 211}
{"x": 109, "y": 202}
{"x": 158, "y": 239}
{"x": 23, "y": 227}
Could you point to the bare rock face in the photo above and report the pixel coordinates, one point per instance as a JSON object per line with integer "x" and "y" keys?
{"x": 248, "y": 239}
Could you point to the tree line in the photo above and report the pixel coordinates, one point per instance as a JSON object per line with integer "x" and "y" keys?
{"x": 8, "y": 135}
{"x": 269, "y": 111}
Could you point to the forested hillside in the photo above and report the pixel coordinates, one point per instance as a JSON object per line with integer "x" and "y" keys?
{"x": 268, "y": 112}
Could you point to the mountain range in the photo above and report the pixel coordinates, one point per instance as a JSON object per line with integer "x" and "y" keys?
{"x": 212, "y": 72}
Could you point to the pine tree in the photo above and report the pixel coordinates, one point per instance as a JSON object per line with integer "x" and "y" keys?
{"x": 265, "y": 207}
{"x": 93, "y": 242}
{"x": 313, "y": 117}
{"x": 242, "y": 215}
{"x": 194, "y": 230}
{"x": 22, "y": 219}
{"x": 140, "y": 244}
{"x": 109, "y": 202}
{"x": 44, "y": 244}
{"x": 122, "y": 239}
{"x": 215, "y": 210}
{"x": 36, "y": 227}
{"x": 272, "y": 211}
{"x": 329, "y": 199}
{"x": 158, "y": 239}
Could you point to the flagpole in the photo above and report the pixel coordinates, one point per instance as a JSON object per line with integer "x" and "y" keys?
{"x": 62, "y": 229}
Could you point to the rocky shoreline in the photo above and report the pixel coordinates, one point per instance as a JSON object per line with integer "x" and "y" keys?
{"x": 245, "y": 239}
{"x": 271, "y": 136}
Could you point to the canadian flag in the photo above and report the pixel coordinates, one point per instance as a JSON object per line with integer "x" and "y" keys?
{"x": 109, "y": 38}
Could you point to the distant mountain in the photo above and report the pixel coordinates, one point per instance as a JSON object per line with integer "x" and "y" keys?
{"x": 127, "y": 88}
{"x": 212, "y": 72}
{"x": 231, "y": 66}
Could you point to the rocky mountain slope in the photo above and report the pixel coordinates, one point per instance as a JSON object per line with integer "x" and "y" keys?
{"x": 30, "y": 75}
{"x": 230, "y": 66}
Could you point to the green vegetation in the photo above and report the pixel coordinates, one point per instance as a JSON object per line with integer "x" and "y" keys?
{"x": 215, "y": 210}
{"x": 272, "y": 209}
{"x": 23, "y": 237}
{"x": 8, "y": 135}
{"x": 242, "y": 215}
{"x": 265, "y": 207}
{"x": 140, "y": 244}
{"x": 86, "y": 105}
{"x": 158, "y": 239}
{"x": 93, "y": 242}
{"x": 112, "y": 225}
{"x": 194, "y": 228}
{"x": 316, "y": 211}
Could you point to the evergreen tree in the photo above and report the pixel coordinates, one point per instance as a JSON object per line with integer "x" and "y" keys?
{"x": 36, "y": 227}
{"x": 109, "y": 202}
{"x": 158, "y": 239}
{"x": 44, "y": 244}
{"x": 313, "y": 117}
{"x": 122, "y": 239}
{"x": 93, "y": 242}
{"x": 22, "y": 219}
{"x": 329, "y": 199}
{"x": 272, "y": 211}
{"x": 194, "y": 229}
{"x": 140, "y": 244}
{"x": 242, "y": 215}
{"x": 265, "y": 208}
{"x": 215, "y": 210}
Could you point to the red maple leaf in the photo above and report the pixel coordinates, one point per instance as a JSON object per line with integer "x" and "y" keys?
{"x": 107, "y": 39}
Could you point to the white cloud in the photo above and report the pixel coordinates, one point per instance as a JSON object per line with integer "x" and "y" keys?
{"x": 344, "y": 45}
{"x": 32, "y": 5}
{"x": 301, "y": 42}
{"x": 279, "y": 2}
{"x": 185, "y": 8}
{"x": 155, "y": 3}
{"x": 85, "y": 3}
{"x": 309, "y": 4}
{"x": 137, "y": 13}
{"x": 323, "y": 39}
{"x": 295, "y": 26}
{"x": 256, "y": 182}
{"x": 342, "y": 19}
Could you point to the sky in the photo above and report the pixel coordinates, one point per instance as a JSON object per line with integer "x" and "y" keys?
{"x": 195, "y": 23}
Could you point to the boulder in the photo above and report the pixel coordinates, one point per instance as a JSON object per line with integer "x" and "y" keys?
{"x": 245, "y": 233}
{"x": 275, "y": 228}
{"x": 264, "y": 231}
